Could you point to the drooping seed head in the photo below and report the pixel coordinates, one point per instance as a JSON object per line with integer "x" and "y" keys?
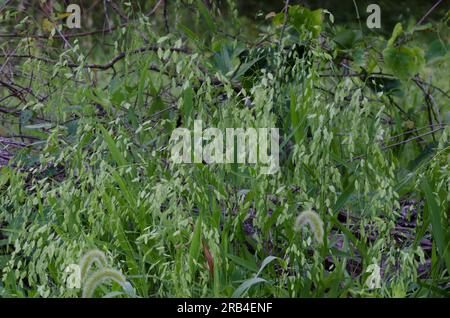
{"x": 314, "y": 221}
{"x": 91, "y": 257}
{"x": 101, "y": 276}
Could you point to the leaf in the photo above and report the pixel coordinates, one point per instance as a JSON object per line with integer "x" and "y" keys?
{"x": 115, "y": 152}
{"x": 25, "y": 116}
{"x": 330, "y": 15}
{"x": 63, "y": 15}
{"x": 242, "y": 262}
{"x": 189, "y": 33}
{"x": 245, "y": 286}
{"x": 423, "y": 156}
{"x": 360, "y": 246}
{"x": 141, "y": 86}
{"x": 39, "y": 126}
{"x": 208, "y": 257}
{"x": 436, "y": 49}
{"x": 194, "y": 249}
{"x": 442, "y": 292}
{"x": 302, "y": 18}
{"x": 404, "y": 62}
{"x": 188, "y": 102}
{"x": 266, "y": 262}
{"x": 47, "y": 25}
{"x": 245, "y": 67}
{"x": 157, "y": 106}
{"x": 437, "y": 228}
{"x": 422, "y": 27}
{"x": 206, "y": 15}
{"x": 4, "y": 176}
{"x": 98, "y": 96}
{"x": 343, "y": 198}
{"x": 347, "y": 39}
{"x": 398, "y": 29}
{"x": 297, "y": 120}
{"x": 124, "y": 188}
{"x": 270, "y": 15}
{"x": 226, "y": 58}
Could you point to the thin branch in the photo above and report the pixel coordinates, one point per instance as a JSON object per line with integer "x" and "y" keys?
{"x": 412, "y": 138}
{"x": 151, "y": 12}
{"x": 430, "y": 106}
{"x": 67, "y": 36}
{"x": 105, "y": 66}
{"x": 399, "y": 143}
{"x": 429, "y": 12}
{"x": 4, "y": 5}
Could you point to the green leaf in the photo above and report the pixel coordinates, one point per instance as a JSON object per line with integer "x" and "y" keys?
{"x": 115, "y": 152}
{"x": 437, "y": 226}
{"x": 359, "y": 245}
{"x": 39, "y": 126}
{"x": 347, "y": 39}
{"x": 124, "y": 188}
{"x": 437, "y": 49}
{"x": 189, "y": 33}
{"x": 5, "y": 173}
{"x": 245, "y": 67}
{"x": 194, "y": 249}
{"x": 157, "y": 106}
{"x": 245, "y": 286}
{"x": 242, "y": 262}
{"x": 398, "y": 29}
{"x": 404, "y": 62}
{"x": 302, "y": 18}
{"x": 206, "y": 15}
{"x": 298, "y": 118}
{"x": 343, "y": 198}
{"x": 422, "y": 27}
{"x": 98, "y": 96}
{"x": 141, "y": 86}
{"x": 188, "y": 102}
{"x": 266, "y": 262}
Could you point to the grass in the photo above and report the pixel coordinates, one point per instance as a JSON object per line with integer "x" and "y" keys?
{"x": 366, "y": 150}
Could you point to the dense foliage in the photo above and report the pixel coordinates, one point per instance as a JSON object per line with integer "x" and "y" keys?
{"x": 85, "y": 122}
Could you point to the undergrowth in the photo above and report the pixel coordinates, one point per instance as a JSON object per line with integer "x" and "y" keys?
{"x": 364, "y": 149}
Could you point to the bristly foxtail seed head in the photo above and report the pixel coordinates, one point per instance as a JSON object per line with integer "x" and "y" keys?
{"x": 99, "y": 277}
{"x": 315, "y": 222}
{"x": 88, "y": 260}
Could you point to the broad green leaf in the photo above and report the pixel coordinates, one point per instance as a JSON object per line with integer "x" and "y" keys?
{"x": 302, "y": 18}
{"x": 436, "y": 50}
{"x": 404, "y": 62}
{"x": 347, "y": 39}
